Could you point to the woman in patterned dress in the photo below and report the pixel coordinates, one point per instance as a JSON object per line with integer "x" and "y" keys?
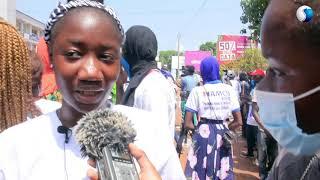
{"x": 209, "y": 157}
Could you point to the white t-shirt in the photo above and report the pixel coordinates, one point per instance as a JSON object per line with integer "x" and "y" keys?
{"x": 155, "y": 94}
{"x": 33, "y": 150}
{"x": 222, "y": 97}
{"x": 250, "y": 119}
{"x": 198, "y": 78}
{"x": 46, "y": 106}
{"x": 236, "y": 86}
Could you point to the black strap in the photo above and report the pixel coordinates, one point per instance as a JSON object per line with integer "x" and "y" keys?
{"x": 211, "y": 121}
{"x": 141, "y": 72}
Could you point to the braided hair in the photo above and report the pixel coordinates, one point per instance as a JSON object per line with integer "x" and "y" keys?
{"x": 15, "y": 77}
{"x": 63, "y": 9}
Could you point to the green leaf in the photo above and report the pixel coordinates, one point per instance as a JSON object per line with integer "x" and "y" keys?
{"x": 253, "y": 11}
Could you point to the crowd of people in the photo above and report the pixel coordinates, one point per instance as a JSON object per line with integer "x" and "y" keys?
{"x": 89, "y": 63}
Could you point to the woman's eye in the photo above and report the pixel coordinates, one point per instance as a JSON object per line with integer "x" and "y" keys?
{"x": 73, "y": 55}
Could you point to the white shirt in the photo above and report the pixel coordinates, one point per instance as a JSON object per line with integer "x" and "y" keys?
{"x": 250, "y": 119}
{"x": 236, "y": 86}
{"x": 198, "y": 78}
{"x": 33, "y": 150}
{"x": 223, "y": 100}
{"x": 46, "y": 106}
{"x": 155, "y": 94}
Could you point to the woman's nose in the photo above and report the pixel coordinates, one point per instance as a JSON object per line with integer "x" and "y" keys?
{"x": 90, "y": 69}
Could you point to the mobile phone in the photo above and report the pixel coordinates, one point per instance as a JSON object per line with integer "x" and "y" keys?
{"x": 116, "y": 166}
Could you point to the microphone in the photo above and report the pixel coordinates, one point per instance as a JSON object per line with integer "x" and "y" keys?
{"x": 64, "y": 130}
{"x": 104, "y": 135}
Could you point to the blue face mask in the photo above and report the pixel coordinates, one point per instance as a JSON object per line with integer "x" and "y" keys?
{"x": 278, "y": 116}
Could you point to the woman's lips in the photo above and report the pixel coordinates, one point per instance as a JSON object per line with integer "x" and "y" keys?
{"x": 88, "y": 97}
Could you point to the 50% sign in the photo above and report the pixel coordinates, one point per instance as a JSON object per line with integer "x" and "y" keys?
{"x": 227, "y": 50}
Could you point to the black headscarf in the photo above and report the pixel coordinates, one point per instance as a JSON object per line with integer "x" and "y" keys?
{"x": 140, "y": 50}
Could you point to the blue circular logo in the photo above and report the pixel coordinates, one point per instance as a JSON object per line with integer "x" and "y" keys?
{"x": 304, "y": 13}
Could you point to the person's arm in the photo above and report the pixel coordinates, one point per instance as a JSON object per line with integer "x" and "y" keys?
{"x": 237, "y": 122}
{"x": 192, "y": 105}
{"x": 255, "y": 114}
{"x": 189, "y": 120}
{"x": 235, "y": 107}
{"x": 242, "y": 89}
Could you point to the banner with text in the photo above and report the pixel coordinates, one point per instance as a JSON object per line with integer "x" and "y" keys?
{"x": 194, "y": 58}
{"x": 231, "y": 47}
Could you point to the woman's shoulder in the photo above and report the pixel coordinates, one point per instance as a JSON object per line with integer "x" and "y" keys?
{"x": 154, "y": 77}
{"x": 28, "y": 127}
{"x": 139, "y": 117}
{"x": 47, "y": 106}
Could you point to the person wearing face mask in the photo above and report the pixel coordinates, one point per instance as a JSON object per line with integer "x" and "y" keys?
{"x": 289, "y": 96}
{"x": 85, "y": 54}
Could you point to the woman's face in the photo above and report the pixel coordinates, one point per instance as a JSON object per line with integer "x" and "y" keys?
{"x": 293, "y": 65}
{"x": 86, "y": 58}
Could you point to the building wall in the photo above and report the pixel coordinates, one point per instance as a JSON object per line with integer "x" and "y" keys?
{"x": 30, "y": 28}
{"x": 8, "y": 11}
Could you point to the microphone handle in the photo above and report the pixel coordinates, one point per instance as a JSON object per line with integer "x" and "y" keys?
{"x": 105, "y": 167}
{"x": 118, "y": 167}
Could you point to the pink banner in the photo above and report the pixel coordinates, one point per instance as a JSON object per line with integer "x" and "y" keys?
{"x": 230, "y": 47}
{"x": 194, "y": 58}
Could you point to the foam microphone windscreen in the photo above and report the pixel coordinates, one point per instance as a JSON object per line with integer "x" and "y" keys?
{"x": 101, "y": 128}
{"x": 100, "y": 1}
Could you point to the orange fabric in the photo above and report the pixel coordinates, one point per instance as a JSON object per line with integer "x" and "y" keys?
{"x": 48, "y": 80}
{"x": 48, "y": 84}
{"x": 42, "y": 52}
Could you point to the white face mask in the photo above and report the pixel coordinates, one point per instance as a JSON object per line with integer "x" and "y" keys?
{"x": 278, "y": 116}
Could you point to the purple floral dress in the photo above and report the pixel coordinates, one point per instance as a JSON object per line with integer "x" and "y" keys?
{"x": 208, "y": 159}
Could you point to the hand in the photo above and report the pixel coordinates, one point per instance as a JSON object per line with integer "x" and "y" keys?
{"x": 266, "y": 132}
{"x": 148, "y": 171}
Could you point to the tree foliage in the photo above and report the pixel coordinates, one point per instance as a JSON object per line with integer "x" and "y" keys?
{"x": 253, "y": 11}
{"x": 166, "y": 56}
{"x": 251, "y": 60}
{"x": 209, "y": 46}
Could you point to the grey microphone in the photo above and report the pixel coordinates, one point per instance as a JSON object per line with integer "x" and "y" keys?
{"x": 104, "y": 135}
